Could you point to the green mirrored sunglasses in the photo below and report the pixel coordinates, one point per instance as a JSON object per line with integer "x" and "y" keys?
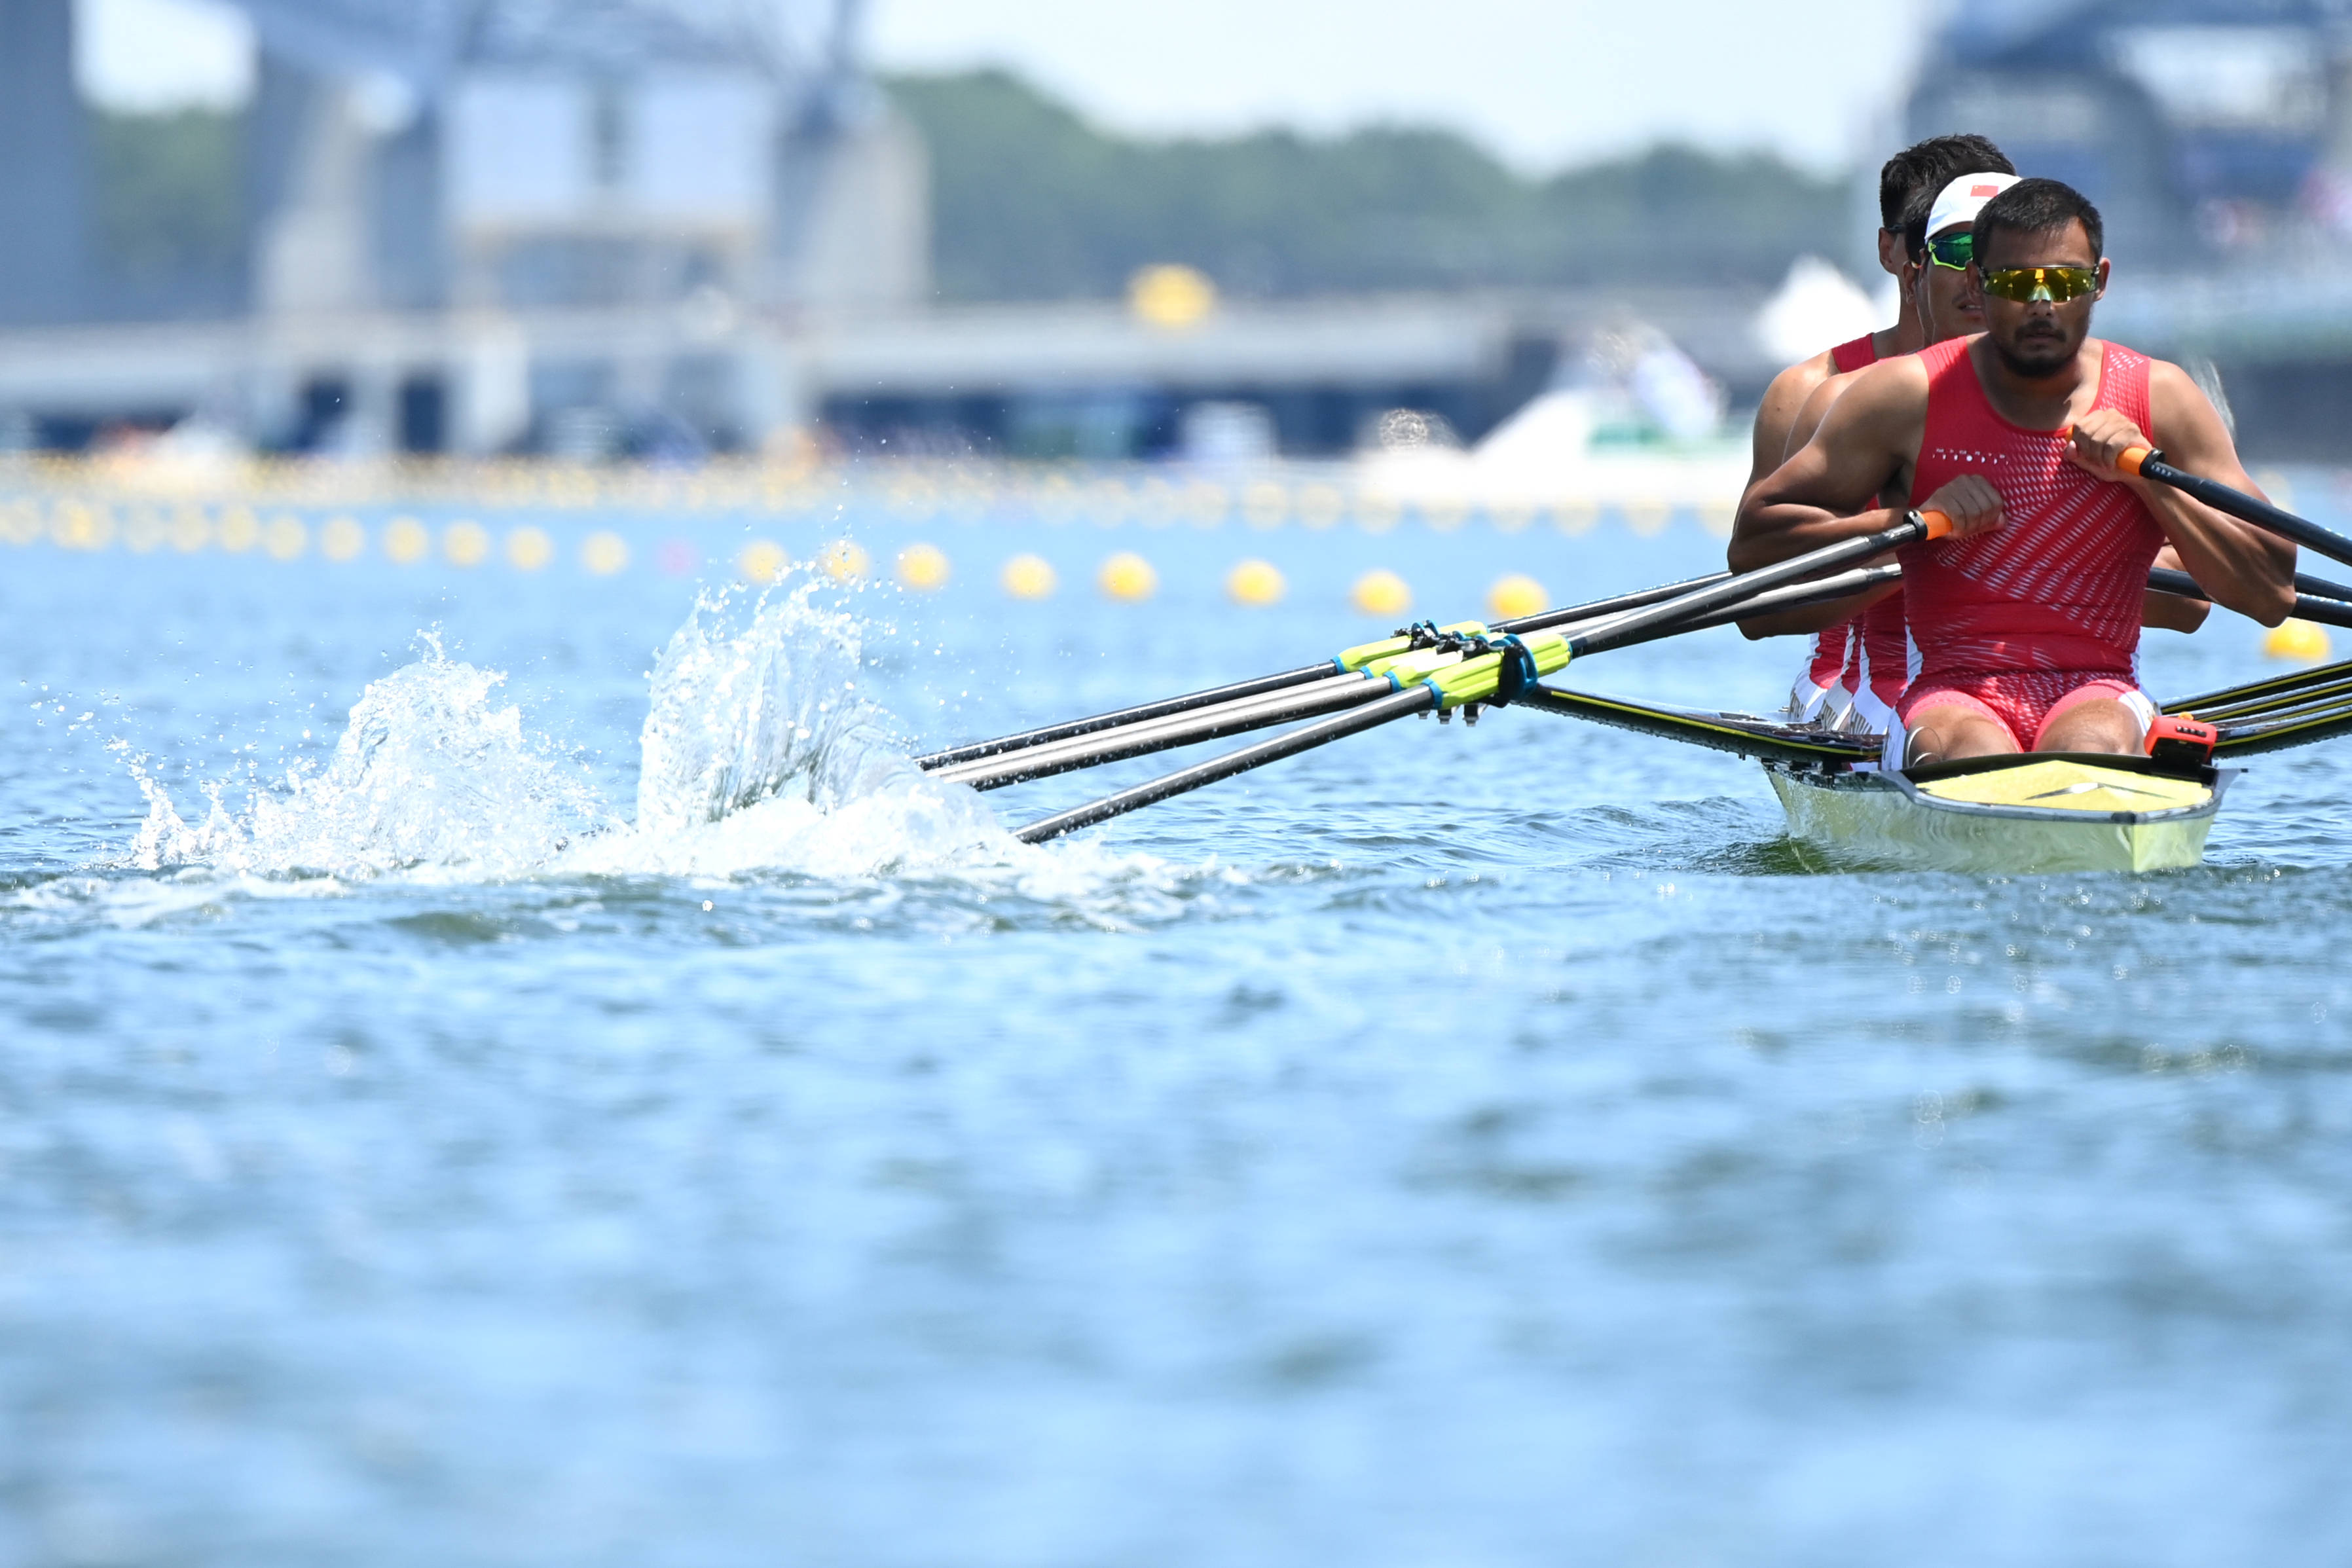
{"x": 1952, "y": 250}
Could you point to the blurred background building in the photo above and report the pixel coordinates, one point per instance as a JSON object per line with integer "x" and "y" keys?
{"x": 660, "y": 228}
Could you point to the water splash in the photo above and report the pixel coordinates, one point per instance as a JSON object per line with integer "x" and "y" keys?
{"x": 759, "y": 752}
{"x": 431, "y": 775}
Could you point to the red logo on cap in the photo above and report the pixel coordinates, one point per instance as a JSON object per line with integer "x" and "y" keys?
{"x": 1984, "y": 190}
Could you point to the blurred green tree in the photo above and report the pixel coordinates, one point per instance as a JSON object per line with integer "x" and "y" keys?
{"x": 168, "y": 212}
{"x": 1030, "y": 202}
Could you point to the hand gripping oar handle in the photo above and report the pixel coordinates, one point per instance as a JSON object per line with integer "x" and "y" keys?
{"x": 2150, "y": 463}
{"x": 1641, "y": 624}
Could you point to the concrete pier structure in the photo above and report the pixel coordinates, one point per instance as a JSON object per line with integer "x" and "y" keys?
{"x": 44, "y": 166}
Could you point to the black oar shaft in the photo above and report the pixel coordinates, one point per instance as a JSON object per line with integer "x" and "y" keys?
{"x": 1679, "y": 613}
{"x": 2246, "y": 509}
{"x": 1218, "y": 695}
{"x": 1136, "y": 715}
{"x": 1263, "y": 713}
{"x": 1164, "y": 735}
{"x": 1547, "y": 619}
{"x": 2307, "y": 606}
{"x": 1395, "y": 705}
{"x": 1417, "y": 698}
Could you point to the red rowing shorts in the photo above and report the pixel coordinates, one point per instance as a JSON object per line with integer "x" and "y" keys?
{"x": 2025, "y": 701}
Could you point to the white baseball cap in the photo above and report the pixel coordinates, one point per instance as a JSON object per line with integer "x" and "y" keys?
{"x": 1963, "y": 199}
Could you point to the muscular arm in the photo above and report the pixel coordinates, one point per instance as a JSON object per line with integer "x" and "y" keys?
{"x": 1782, "y": 400}
{"x": 2169, "y": 611}
{"x": 2240, "y": 565}
{"x": 1828, "y": 490}
{"x": 1813, "y": 617}
{"x": 1816, "y": 408}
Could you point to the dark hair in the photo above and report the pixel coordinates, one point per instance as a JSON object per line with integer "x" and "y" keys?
{"x": 1913, "y": 177}
{"x": 2038, "y": 206}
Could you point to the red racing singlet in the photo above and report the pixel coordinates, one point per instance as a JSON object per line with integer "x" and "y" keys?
{"x": 2058, "y": 586}
{"x": 1850, "y": 357}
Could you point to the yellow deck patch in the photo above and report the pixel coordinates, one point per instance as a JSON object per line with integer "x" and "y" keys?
{"x": 2071, "y": 787}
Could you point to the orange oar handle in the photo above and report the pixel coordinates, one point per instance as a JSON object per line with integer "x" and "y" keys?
{"x": 1937, "y": 524}
{"x": 2132, "y": 458}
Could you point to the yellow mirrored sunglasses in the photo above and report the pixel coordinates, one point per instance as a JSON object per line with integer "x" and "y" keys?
{"x": 2055, "y": 284}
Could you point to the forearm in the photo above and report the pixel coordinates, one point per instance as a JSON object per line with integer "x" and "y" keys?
{"x": 2242, "y": 568}
{"x": 2171, "y": 613}
{"x": 1766, "y": 533}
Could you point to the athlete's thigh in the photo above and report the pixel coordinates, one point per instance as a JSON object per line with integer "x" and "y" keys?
{"x": 2094, "y": 724}
{"x": 1955, "y": 727}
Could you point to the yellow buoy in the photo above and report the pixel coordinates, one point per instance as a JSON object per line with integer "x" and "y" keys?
{"x": 923, "y": 568}
{"x": 762, "y": 561}
{"x": 342, "y": 538}
{"x": 465, "y": 543}
{"x": 603, "y": 552}
{"x": 1514, "y": 596}
{"x": 1127, "y": 576}
{"x": 1380, "y": 592}
{"x": 1255, "y": 582}
{"x": 78, "y": 525}
{"x": 529, "y": 549}
{"x": 1648, "y": 519}
{"x": 1206, "y": 504}
{"x": 286, "y": 538}
{"x": 405, "y": 541}
{"x": 20, "y": 521}
{"x": 1028, "y": 577}
{"x": 845, "y": 560}
{"x": 2301, "y": 641}
{"x": 143, "y": 530}
{"x": 1170, "y": 297}
{"x": 1265, "y": 504}
{"x": 190, "y": 529}
{"x": 240, "y": 531}
{"x": 1321, "y": 505}
{"x": 1574, "y": 518}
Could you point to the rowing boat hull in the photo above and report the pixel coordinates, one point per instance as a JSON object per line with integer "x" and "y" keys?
{"x": 1887, "y": 820}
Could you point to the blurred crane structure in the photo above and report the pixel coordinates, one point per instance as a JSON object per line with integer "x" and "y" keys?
{"x": 652, "y": 226}
{"x": 2215, "y": 136}
{"x": 430, "y": 171}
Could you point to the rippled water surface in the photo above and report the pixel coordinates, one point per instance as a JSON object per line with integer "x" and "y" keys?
{"x": 519, "y": 1070}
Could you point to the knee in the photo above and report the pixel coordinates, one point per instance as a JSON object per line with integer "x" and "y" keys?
{"x": 2107, "y": 727}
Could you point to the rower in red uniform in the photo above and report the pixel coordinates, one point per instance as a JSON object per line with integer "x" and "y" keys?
{"x": 1879, "y": 659}
{"x": 1882, "y": 659}
{"x": 1907, "y": 184}
{"x": 2027, "y": 615}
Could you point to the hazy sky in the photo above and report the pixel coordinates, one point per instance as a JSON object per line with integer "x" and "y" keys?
{"x": 1543, "y": 81}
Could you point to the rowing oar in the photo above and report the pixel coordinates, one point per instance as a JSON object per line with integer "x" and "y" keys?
{"x": 1263, "y": 685}
{"x": 1492, "y": 670}
{"x": 2333, "y": 607}
{"x": 2150, "y": 463}
{"x": 1335, "y": 691}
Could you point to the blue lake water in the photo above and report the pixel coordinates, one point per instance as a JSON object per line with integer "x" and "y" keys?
{"x": 1458, "y": 1146}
